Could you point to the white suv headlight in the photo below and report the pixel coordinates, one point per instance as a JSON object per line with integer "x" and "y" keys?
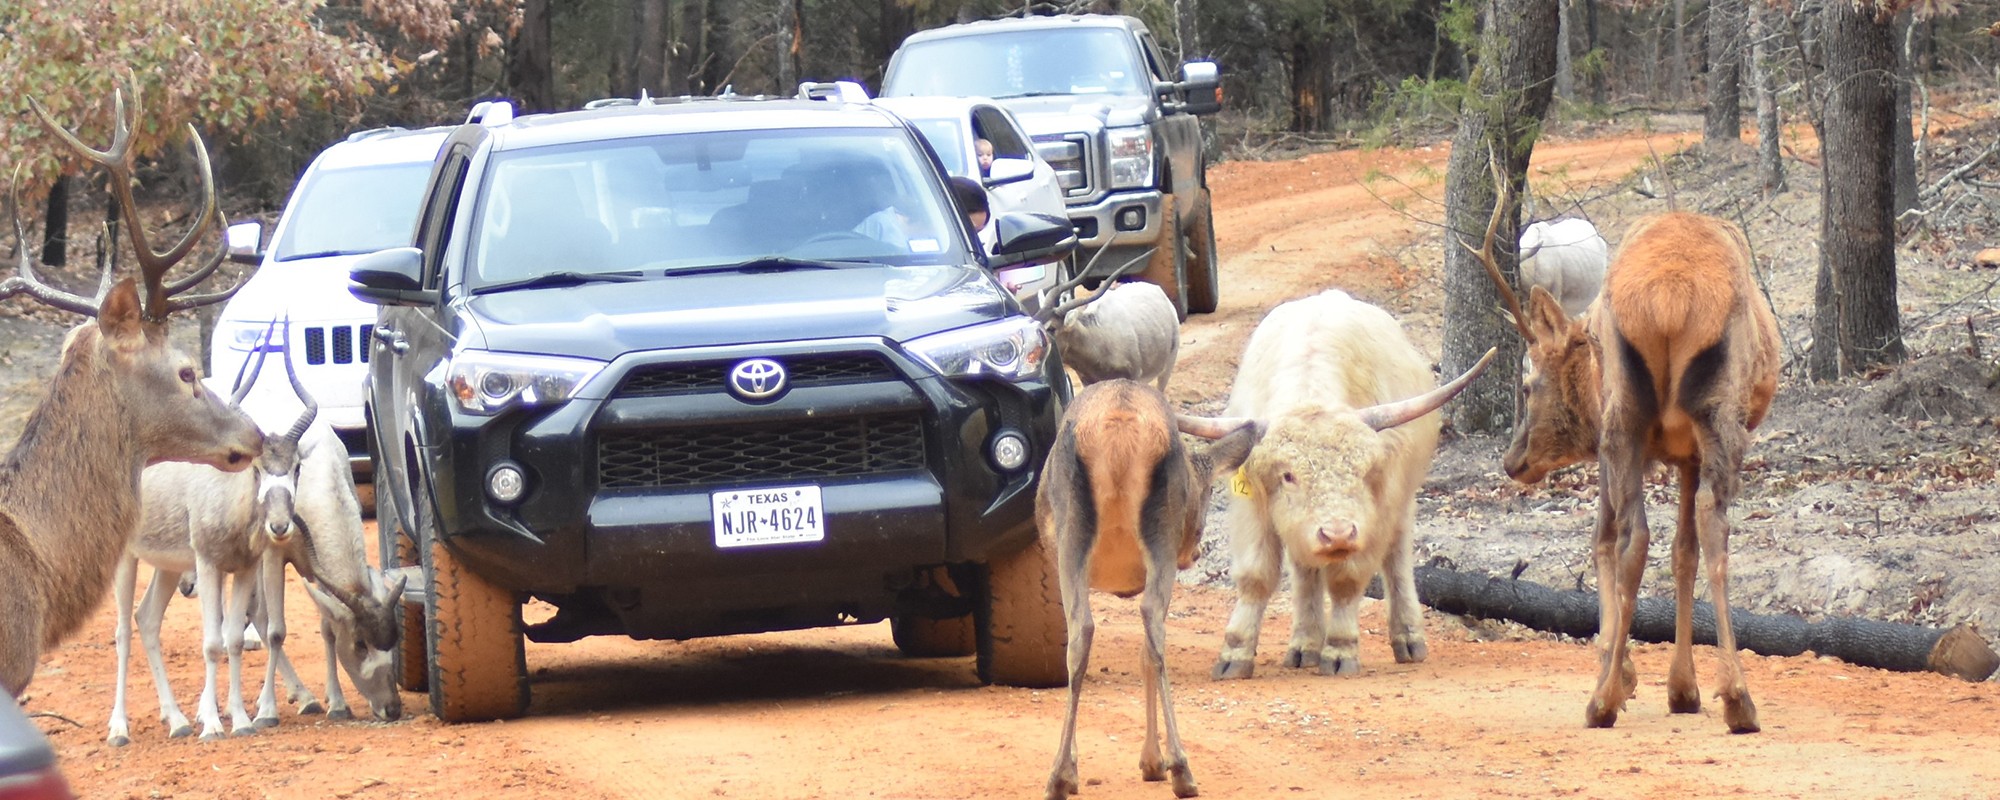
{"x": 1011, "y": 348}
{"x": 484, "y": 382}
{"x": 241, "y": 335}
{"x": 1131, "y": 157}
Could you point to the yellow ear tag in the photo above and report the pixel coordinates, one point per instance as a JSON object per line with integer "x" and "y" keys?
{"x": 1240, "y": 483}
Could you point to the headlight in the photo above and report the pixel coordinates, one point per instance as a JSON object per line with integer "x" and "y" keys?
{"x": 241, "y": 336}
{"x": 487, "y": 383}
{"x": 1131, "y": 157}
{"x": 1012, "y": 348}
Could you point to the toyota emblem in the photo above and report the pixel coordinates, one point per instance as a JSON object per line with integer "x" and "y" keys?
{"x": 757, "y": 379}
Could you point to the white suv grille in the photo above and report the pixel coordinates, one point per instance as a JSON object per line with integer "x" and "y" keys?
{"x": 338, "y": 344}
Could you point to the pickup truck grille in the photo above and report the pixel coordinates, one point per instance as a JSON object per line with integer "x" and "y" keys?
{"x": 771, "y": 451}
{"x": 1069, "y": 154}
{"x": 664, "y": 380}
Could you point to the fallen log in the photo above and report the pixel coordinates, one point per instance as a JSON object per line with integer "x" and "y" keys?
{"x": 1957, "y": 651}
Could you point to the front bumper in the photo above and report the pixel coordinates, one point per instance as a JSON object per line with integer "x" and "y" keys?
{"x": 592, "y": 524}
{"x": 1108, "y": 222}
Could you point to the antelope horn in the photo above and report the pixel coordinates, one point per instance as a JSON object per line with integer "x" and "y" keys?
{"x": 1217, "y": 427}
{"x": 310, "y": 571}
{"x": 305, "y": 419}
{"x": 253, "y": 364}
{"x": 1075, "y": 303}
{"x": 1389, "y": 415}
{"x": 1502, "y": 198}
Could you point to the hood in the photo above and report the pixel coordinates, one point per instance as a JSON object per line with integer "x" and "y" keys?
{"x": 310, "y": 289}
{"x": 1073, "y": 113}
{"x": 606, "y": 320}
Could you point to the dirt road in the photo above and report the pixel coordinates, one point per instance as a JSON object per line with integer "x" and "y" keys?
{"x": 837, "y": 714}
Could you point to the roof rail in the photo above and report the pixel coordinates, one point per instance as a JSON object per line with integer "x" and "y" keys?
{"x": 644, "y": 99}
{"x": 491, "y": 113}
{"x": 374, "y": 132}
{"x": 841, "y": 91}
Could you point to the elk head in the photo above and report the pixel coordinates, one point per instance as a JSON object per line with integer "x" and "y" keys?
{"x": 1558, "y": 403}
{"x": 125, "y": 349}
{"x": 1317, "y": 470}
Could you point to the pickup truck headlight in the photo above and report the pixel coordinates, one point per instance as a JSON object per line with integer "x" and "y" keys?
{"x": 1131, "y": 157}
{"x": 1011, "y": 348}
{"x": 486, "y": 383}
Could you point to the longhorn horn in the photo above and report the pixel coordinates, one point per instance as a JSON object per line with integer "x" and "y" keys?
{"x": 1061, "y": 311}
{"x": 1503, "y": 195}
{"x": 305, "y": 419}
{"x": 1389, "y": 415}
{"x": 1217, "y": 427}
{"x": 252, "y": 364}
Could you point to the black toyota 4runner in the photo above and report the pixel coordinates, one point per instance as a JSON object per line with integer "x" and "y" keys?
{"x": 707, "y": 367}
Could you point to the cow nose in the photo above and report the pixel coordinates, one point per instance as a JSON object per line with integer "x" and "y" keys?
{"x": 1339, "y": 536}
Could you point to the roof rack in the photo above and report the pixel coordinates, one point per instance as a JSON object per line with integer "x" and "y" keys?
{"x": 834, "y": 91}
{"x": 491, "y": 113}
{"x": 374, "y": 132}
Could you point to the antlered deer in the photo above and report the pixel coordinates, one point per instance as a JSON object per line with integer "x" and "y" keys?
{"x": 1123, "y": 501}
{"x": 1344, "y": 401}
{"x": 122, "y": 398}
{"x": 1676, "y": 363}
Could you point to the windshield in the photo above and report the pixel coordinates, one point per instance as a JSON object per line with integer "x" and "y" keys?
{"x": 1020, "y": 63}
{"x": 693, "y": 201}
{"x": 943, "y": 136}
{"x": 354, "y": 210}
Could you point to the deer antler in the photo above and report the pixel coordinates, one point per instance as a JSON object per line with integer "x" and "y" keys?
{"x": 25, "y": 281}
{"x": 1061, "y": 311}
{"x": 1503, "y": 197}
{"x": 153, "y": 264}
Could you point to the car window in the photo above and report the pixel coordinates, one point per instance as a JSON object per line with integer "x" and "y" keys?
{"x": 1020, "y": 64}
{"x": 993, "y": 125}
{"x": 944, "y": 137}
{"x": 705, "y": 199}
{"x": 353, "y": 210}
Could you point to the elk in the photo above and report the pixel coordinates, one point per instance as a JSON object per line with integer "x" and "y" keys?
{"x": 1567, "y": 258}
{"x": 1345, "y": 404}
{"x": 1124, "y": 503}
{"x": 298, "y": 507}
{"x": 121, "y": 398}
{"x": 1120, "y": 330}
{"x": 1676, "y": 363}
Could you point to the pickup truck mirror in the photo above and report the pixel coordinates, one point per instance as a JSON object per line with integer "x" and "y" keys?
{"x": 393, "y": 277}
{"x": 1024, "y": 237}
{"x": 242, "y": 239}
{"x": 1201, "y": 85}
{"x": 1009, "y": 170}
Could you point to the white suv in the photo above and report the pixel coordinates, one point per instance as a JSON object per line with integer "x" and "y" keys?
{"x": 358, "y": 196}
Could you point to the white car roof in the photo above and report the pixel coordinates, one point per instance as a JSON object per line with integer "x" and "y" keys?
{"x": 385, "y": 147}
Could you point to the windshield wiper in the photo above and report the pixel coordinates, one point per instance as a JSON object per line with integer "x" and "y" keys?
{"x": 566, "y": 278}
{"x": 1031, "y": 94}
{"x": 768, "y": 264}
{"x": 324, "y": 254}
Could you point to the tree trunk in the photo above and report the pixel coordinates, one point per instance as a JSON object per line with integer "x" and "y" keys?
{"x": 1857, "y": 297}
{"x": 1511, "y": 89}
{"x": 1565, "y": 65}
{"x": 649, "y": 50}
{"x": 1312, "y": 82}
{"x": 1679, "y": 70}
{"x": 55, "y": 233}
{"x": 897, "y": 21}
{"x": 695, "y": 60}
{"x": 1590, "y": 46}
{"x": 1724, "y": 126}
{"x": 1187, "y": 31}
{"x": 1957, "y": 651}
{"x": 528, "y": 75}
{"x": 1906, "y": 145}
{"x": 1770, "y": 159}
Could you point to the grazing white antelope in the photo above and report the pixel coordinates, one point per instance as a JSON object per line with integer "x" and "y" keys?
{"x": 121, "y": 398}
{"x": 1124, "y": 503}
{"x": 1121, "y": 330}
{"x": 1675, "y": 364}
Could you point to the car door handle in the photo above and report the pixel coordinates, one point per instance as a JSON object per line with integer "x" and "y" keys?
{"x": 392, "y": 339}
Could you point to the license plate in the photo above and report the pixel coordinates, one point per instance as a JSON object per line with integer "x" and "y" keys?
{"x": 755, "y": 517}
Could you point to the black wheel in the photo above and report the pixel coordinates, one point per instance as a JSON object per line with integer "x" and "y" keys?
{"x": 1167, "y": 268}
{"x": 1022, "y": 635}
{"x": 1204, "y": 287}
{"x": 478, "y": 662}
{"x": 919, "y": 636}
{"x": 411, "y": 660}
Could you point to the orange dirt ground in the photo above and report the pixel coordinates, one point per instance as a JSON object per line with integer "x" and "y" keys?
{"x": 837, "y": 714}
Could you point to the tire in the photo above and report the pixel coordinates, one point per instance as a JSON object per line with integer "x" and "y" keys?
{"x": 1022, "y": 635}
{"x": 1167, "y": 268}
{"x": 1203, "y": 267}
{"x": 478, "y": 663}
{"x": 925, "y": 637}
{"x": 411, "y": 660}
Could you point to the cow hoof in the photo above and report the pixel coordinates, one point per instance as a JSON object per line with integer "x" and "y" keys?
{"x": 247, "y": 730}
{"x": 1412, "y": 651}
{"x": 1340, "y": 665}
{"x": 1301, "y": 658}
{"x": 340, "y": 715}
{"x": 118, "y": 740}
{"x": 212, "y": 736}
{"x": 311, "y": 707}
{"x": 264, "y": 722}
{"x": 182, "y": 732}
{"x": 1234, "y": 670}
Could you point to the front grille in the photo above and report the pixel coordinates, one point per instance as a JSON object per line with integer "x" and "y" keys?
{"x": 341, "y": 341}
{"x": 661, "y": 380}
{"x": 1069, "y": 155}
{"x": 789, "y": 450}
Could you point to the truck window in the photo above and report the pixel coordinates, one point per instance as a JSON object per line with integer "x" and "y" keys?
{"x": 991, "y": 124}
{"x": 1025, "y": 63}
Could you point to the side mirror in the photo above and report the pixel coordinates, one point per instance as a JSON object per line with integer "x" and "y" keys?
{"x": 1009, "y": 170}
{"x": 393, "y": 277}
{"x": 1201, "y": 86}
{"x": 1024, "y": 237}
{"x": 242, "y": 240}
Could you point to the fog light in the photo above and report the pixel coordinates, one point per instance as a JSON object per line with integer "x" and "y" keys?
{"x": 1010, "y": 450}
{"x": 506, "y": 484}
{"x": 1132, "y": 219}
